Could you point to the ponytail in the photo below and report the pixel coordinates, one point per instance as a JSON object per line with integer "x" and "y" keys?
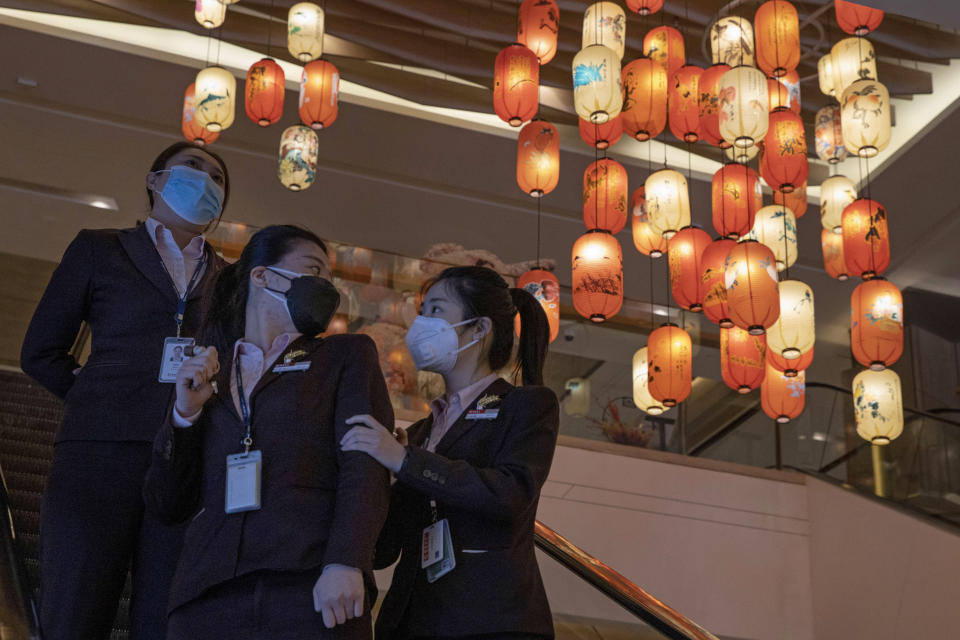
{"x": 534, "y": 337}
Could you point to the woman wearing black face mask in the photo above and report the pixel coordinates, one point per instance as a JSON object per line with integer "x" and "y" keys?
{"x": 282, "y": 522}
{"x": 136, "y": 289}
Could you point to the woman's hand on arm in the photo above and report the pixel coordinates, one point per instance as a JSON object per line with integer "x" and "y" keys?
{"x": 338, "y": 594}
{"x": 194, "y": 378}
{"x": 372, "y": 438}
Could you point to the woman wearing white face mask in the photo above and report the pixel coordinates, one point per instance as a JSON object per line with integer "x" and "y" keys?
{"x": 141, "y": 292}
{"x": 468, "y": 483}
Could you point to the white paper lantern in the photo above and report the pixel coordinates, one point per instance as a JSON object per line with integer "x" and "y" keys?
{"x": 216, "y": 97}
{"x": 605, "y": 23}
{"x": 744, "y": 106}
{"x": 641, "y": 391}
{"x": 297, "y": 160}
{"x": 825, "y": 75}
{"x": 668, "y": 202}
{"x": 793, "y": 333}
{"x": 731, "y": 42}
{"x": 775, "y": 226}
{"x": 305, "y": 31}
{"x": 836, "y": 193}
{"x": 597, "y": 89}
{"x": 210, "y": 13}
{"x": 865, "y": 118}
{"x": 852, "y": 59}
{"x": 878, "y": 405}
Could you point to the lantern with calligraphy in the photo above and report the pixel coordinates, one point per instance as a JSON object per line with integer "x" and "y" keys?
{"x": 670, "y": 367}
{"x": 792, "y": 367}
{"x": 793, "y": 333}
{"x": 210, "y": 13}
{"x": 641, "y": 390}
{"x": 776, "y": 227}
{"x": 264, "y": 91}
{"x": 644, "y": 7}
{"x": 597, "y": 276}
{"x": 319, "y": 92}
{"x": 782, "y": 397}
{"x": 744, "y": 113}
{"x": 713, "y": 289}
{"x": 305, "y": 31}
{"x": 828, "y": 135}
{"x": 664, "y": 45}
{"x": 516, "y": 84}
{"x": 647, "y": 242}
{"x": 736, "y": 197}
{"x": 216, "y": 96}
{"x": 778, "y": 37}
{"x": 825, "y": 75}
{"x": 856, "y": 19}
{"x": 876, "y": 323}
{"x": 731, "y": 41}
{"x": 538, "y": 24}
{"x": 192, "y": 130}
{"x": 866, "y": 238}
{"x": 684, "y": 103}
{"x": 833, "y": 262}
{"x": 597, "y": 88}
{"x": 836, "y": 193}
{"x": 538, "y": 158}
{"x": 645, "y": 90}
{"x": 545, "y": 287}
{"x": 878, "y": 405}
{"x": 668, "y": 202}
{"x": 604, "y": 23}
{"x": 865, "y": 118}
{"x": 785, "y": 164}
{"x": 605, "y": 196}
{"x": 784, "y": 92}
{"x": 742, "y": 365}
{"x": 796, "y": 200}
{"x": 750, "y": 276}
{"x": 710, "y": 105}
{"x": 852, "y": 59}
{"x": 297, "y": 161}
{"x": 685, "y": 257}
{"x": 601, "y": 136}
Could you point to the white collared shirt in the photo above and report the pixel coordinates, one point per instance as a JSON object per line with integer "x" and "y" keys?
{"x": 178, "y": 263}
{"x": 446, "y": 409}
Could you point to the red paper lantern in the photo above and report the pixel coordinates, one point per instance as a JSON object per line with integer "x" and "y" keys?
{"x": 646, "y": 240}
{"x": 790, "y": 368}
{"x": 753, "y": 297}
{"x": 710, "y": 105}
{"x": 670, "y": 364}
{"x": 777, "y": 34}
{"x": 601, "y": 136}
{"x": 736, "y": 198}
{"x": 832, "y": 245}
{"x": 713, "y": 288}
{"x": 263, "y": 92}
{"x": 516, "y": 84}
{"x": 193, "y": 132}
{"x": 683, "y": 100}
{"x": 605, "y": 196}
{"x": 664, "y": 45}
{"x": 545, "y": 287}
{"x": 876, "y": 323}
{"x": 742, "y": 365}
{"x": 796, "y": 200}
{"x": 856, "y": 19}
{"x": 782, "y": 397}
{"x": 685, "y": 256}
{"x": 319, "y": 91}
{"x": 784, "y": 92}
{"x": 644, "y": 7}
{"x": 866, "y": 239}
{"x": 597, "y": 276}
{"x": 538, "y": 24}
{"x": 785, "y": 166}
{"x": 538, "y": 158}
{"x": 644, "y": 112}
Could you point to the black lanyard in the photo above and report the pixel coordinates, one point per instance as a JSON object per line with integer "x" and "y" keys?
{"x": 182, "y": 300}
{"x": 244, "y": 409}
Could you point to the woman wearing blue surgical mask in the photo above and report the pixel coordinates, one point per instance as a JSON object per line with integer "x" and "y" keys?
{"x": 141, "y": 291}
{"x": 463, "y": 507}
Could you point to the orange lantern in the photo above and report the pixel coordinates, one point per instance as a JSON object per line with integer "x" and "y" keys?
{"x": 832, "y": 245}
{"x": 685, "y": 257}
{"x": 876, "y": 323}
{"x": 538, "y": 24}
{"x": 644, "y": 111}
{"x": 866, "y": 239}
{"x": 777, "y": 33}
{"x": 856, "y": 19}
{"x": 670, "y": 364}
{"x": 713, "y": 289}
{"x": 796, "y": 200}
{"x": 742, "y": 364}
{"x": 709, "y": 105}
{"x": 736, "y": 197}
{"x": 538, "y": 158}
{"x": 545, "y": 287}
{"x": 264, "y": 91}
{"x": 782, "y": 397}
{"x": 597, "y": 275}
{"x": 601, "y": 136}
{"x": 193, "y": 132}
{"x": 319, "y": 91}
{"x": 792, "y": 367}
{"x": 646, "y": 240}
{"x": 516, "y": 84}
{"x": 784, "y": 92}
{"x": 751, "y": 279}
{"x": 785, "y": 166}
{"x": 605, "y": 196}
{"x": 665, "y": 46}
{"x": 683, "y": 100}
{"x": 644, "y": 7}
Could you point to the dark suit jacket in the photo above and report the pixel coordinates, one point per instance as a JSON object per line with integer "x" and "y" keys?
{"x": 486, "y": 478}
{"x": 319, "y": 505}
{"x": 115, "y": 281}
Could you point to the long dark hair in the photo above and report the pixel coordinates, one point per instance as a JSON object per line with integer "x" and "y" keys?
{"x": 483, "y": 293}
{"x": 160, "y": 163}
{"x": 226, "y": 319}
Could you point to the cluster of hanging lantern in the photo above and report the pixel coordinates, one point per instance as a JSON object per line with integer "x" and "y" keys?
{"x": 210, "y": 102}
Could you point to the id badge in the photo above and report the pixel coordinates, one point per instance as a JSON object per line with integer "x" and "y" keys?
{"x": 446, "y": 561}
{"x": 175, "y": 351}
{"x": 243, "y": 482}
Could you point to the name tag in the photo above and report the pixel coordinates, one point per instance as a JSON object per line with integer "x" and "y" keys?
{"x": 175, "y": 351}
{"x": 437, "y": 551}
{"x": 243, "y": 482}
{"x": 482, "y": 414}
{"x": 296, "y": 366}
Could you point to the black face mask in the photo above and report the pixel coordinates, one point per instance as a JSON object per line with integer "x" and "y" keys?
{"x": 311, "y": 301}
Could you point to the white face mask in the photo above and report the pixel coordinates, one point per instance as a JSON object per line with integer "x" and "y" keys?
{"x": 434, "y": 344}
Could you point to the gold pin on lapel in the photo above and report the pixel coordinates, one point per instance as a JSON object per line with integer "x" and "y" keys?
{"x": 487, "y": 400}
{"x": 290, "y": 356}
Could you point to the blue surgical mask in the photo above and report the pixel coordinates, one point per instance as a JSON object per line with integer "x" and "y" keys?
{"x": 192, "y": 194}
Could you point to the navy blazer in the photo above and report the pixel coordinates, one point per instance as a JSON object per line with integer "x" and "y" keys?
{"x": 485, "y": 477}
{"x": 319, "y": 504}
{"x": 116, "y": 282}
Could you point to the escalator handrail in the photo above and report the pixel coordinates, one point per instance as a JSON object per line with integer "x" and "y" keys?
{"x": 23, "y": 606}
{"x": 652, "y": 611}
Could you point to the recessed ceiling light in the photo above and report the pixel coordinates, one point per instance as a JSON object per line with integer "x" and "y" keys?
{"x": 820, "y": 436}
{"x": 660, "y": 312}
{"x": 27, "y": 82}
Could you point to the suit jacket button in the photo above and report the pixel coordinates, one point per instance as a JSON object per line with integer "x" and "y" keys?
{"x": 426, "y": 473}
{"x": 443, "y": 480}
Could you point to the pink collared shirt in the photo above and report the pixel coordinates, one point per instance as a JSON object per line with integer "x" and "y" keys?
{"x": 179, "y": 264}
{"x": 446, "y": 409}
